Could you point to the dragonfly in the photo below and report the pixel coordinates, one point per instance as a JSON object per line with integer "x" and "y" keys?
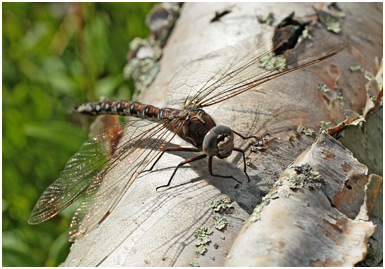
{"x": 139, "y": 143}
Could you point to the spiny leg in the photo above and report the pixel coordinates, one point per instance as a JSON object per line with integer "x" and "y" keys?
{"x": 179, "y": 165}
{"x": 172, "y": 149}
{"x": 244, "y": 162}
{"x": 211, "y": 171}
{"x": 243, "y": 153}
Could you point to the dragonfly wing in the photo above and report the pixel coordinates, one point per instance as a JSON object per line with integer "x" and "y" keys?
{"x": 77, "y": 175}
{"x": 197, "y": 74}
{"x": 254, "y": 67}
{"x": 228, "y": 72}
{"x": 140, "y": 144}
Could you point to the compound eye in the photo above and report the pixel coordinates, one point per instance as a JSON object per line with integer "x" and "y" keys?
{"x": 218, "y": 142}
{"x": 209, "y": 145}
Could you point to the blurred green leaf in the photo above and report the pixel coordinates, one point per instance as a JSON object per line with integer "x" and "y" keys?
{"x": 55, "y": 56}
{"x": 69, "y": 136}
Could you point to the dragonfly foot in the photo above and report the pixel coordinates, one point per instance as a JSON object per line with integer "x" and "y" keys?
{"x": 248, "y": 178}
{"x": 147, "y": 170}
{"x": 163, "y": 186}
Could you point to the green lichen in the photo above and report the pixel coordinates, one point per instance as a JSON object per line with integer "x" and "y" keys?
{"x": 308, "y": 131}
{"x": 220, "y": 223}
{"x": 305, "y": 176}
{"x": 286, "y": 194}
{"x": 194, "y": 264}
{"x": 295, "y": 181}
{"x": 202, "y": 240}
{"x": 266, "y": 19}
{"x": 213, "y": 258}
{"x": 270, "y": 196}
{"x": 324, "y": 125}
{"x": 222, "y": 205}
{"x": 323, "y": 87}
{"x": 333, "y": 25}
{"x": 277, "y": 183}
{"x": 306, "y": 33}
{"x": 357, "y": 68}
{"x": 256, "y": 215}
{"x": 201, "y": 250}
{"x": 270, "y": 62}
{"x": 202, "y": 236}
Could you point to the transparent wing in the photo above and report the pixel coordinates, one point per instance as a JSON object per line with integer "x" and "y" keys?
{"x": 233, "y": 70}
{"x": 140, "y": 141}
{"x": 77, "y": 175}
{"x": 197, "y": 74}
{"x": 140, "y": 144}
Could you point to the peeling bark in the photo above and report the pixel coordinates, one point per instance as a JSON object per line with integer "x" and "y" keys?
{"x": 310, "y": 226}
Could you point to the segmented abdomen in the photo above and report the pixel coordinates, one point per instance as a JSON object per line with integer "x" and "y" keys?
{"x": 127, "y": 108}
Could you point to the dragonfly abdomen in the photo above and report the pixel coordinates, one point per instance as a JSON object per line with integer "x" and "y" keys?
{"x": 126, "y": 108}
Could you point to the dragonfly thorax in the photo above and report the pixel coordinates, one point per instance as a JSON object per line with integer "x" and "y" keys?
{"x": 219, "y": 141}
{"x": 197, "y": 125}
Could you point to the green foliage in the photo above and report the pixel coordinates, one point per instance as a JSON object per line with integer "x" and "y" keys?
{"x": 55, "y": 56}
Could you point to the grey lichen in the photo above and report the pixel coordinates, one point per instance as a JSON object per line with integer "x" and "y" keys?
{"x": 305, "y": 176}
{"x": 222, "y": 205}
{"x": 220, "y": 223}
{"x": 202, "y": 236}
{"x": 256, "y": 215}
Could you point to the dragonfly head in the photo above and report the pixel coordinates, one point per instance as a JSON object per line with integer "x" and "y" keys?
{"x": 219, "y": 141}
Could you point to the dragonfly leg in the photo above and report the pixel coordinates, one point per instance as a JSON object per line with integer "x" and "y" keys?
{"x": 171, "y": 149}
{"x": 193, "y": 159}
{"x": 211, "y": 171}
{"x": 245, "y": 137}
{"x": 262, "y": 142}
{"x": 244, "y": 161}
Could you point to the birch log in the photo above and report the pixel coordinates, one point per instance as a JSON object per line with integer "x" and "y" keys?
{"x": 150, "y": 228}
